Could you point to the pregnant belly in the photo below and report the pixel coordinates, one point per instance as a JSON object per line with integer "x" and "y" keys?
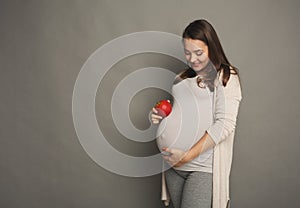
{"x": 181, "y": 132}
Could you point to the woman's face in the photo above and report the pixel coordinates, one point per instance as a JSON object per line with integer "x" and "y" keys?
{"x": 196, "y": 53}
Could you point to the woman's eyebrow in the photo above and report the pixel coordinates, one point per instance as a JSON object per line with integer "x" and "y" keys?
{"x": 198, "y": 50}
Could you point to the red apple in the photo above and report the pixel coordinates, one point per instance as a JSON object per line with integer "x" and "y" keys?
{"x": 163, "y": 107}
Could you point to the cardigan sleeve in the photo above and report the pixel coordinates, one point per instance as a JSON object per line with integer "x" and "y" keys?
{"x": 227, "y": 100}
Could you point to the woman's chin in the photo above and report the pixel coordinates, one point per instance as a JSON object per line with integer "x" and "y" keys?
{"x": 197, "y": 68}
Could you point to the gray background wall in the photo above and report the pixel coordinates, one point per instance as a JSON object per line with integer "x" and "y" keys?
{"x": 43, "y": 47}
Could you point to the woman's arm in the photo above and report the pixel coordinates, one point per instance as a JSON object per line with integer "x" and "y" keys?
{"x": 226, "y": 109}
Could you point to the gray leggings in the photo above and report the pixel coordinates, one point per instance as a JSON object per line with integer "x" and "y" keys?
{"x": 189, "y": 189}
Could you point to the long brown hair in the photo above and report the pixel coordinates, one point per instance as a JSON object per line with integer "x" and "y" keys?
{"x": 204, "y": 31}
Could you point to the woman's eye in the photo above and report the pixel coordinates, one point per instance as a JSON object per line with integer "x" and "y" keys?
{"x": 199, "y": 53}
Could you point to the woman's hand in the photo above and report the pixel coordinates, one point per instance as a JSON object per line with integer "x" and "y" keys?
{"x": 155, "y": 118}
{"x": 176, "y": 158}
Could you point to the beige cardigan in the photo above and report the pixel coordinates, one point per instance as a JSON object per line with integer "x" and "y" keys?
{"x": 226, "y": 105}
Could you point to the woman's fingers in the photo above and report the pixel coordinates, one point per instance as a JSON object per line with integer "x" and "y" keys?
{"x": 154, "y": 110}
{"x": 175, "y": 158}
{"x": 155, "y": 121}
{"x": 154, "y": 117}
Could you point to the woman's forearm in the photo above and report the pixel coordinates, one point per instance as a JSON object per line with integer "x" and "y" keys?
{"x": 205, "y": 143}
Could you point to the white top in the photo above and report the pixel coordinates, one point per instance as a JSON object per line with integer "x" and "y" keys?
{"x": 191, "y": 116}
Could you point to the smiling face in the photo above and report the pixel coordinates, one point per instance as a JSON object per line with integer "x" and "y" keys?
{"x": 196, "y": 53}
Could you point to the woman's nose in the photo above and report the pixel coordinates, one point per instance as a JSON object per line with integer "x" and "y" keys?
{"x": 193, "y": 58}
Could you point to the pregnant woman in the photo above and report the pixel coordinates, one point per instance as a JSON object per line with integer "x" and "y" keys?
{"x": 197, "y": 136}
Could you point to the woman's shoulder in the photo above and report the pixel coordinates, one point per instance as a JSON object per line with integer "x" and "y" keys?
{"x": 233, "y": 85}
{"x": 178, "y": 78}
{"x": 234, "y": 77}
{"x": 181, "y": 72}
